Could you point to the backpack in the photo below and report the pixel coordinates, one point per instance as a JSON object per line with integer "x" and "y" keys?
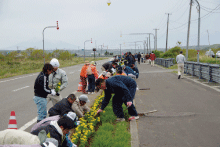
{"x": 89, "y": 71}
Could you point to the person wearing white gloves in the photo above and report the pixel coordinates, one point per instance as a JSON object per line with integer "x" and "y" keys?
{"x": 57, "y": 76}
{"x": 41, "y": 90}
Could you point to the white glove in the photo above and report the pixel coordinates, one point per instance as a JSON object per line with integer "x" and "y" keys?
{"x": 53, "y": 92}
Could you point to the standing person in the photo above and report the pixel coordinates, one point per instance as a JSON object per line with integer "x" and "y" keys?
{"x": 152, "y": 58}
{"x": 83, "y": 76}
{"x": 142, "y": 57}
{"x": 180, "y": 59}
{"x": 139, "y": 57}
{"x": 124, "y": 89}
{"x": 92, "y": 75}
{"x": 41, "y": 90}
{"x": 147, "y": 58}
{"x": 58, "y": 76}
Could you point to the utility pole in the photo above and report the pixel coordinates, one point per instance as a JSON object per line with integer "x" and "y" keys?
{"x": 120, "y": 50}
{"x": 149, "y": 43}
{"x": 167, "y": 29}
{"x": 147, "y": 46}
{"x": 187, "y": 45}
{"x": 208, "y": 36}
{"x": 155, "y": 38}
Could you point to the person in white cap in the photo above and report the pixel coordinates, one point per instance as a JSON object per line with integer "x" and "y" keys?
{"x": 59, "y": 129}
{"x": 57, "y": 76}
{"x": 80, "y": 107}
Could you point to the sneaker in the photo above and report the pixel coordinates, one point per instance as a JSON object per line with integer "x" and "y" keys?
{"x": 179, "y": 76}
{"x": 89, "y": 92}
{"x": 133, "y": 117}
{"x": 120, "y": 119}
{"x": 92, "y": 92}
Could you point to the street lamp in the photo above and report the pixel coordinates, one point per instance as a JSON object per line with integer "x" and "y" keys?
{"x": 43, "y": 36}
{"x": 85, "y": 48}
{"x": 101, "y": 49}
{"x": 144, "y": 34}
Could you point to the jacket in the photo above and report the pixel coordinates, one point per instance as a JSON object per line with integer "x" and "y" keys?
{"x": 147, "y": 56}
{"x": 94, "y": 71}
{"x": 79, "y": 109}
{"x": 139, "y": 55}
{"x": 128, "y": 70}
{"x": 152, "y": 56}
{"x": 41, "y": 88}
{"x": 45, "y": 122}
{"x": 53, "y": 131}
{"x": 121, "y": 87}
{"x": 58, "y": 76}
{"x": 107, "y": 66}
{"x": 180, "y": 58}
{"x": 61, "y": 108}
{"x": 83, "y": 72}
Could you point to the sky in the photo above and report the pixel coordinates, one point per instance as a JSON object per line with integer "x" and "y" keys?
{"x": 22, "y": 23}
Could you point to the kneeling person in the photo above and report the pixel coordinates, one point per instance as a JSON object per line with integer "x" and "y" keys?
{"x": 79, "y": 106}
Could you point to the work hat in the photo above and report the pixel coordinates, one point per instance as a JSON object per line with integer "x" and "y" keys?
{"x": 87, "y": 62}
{"x": 72, "y": 116}
{"x": 92, "y": 62}
{"x": 55, "y": 63}
{"x": 84, "y": 98}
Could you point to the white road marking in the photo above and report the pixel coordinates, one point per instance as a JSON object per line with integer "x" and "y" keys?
{"x": 21, "y": 88}
{"x": 24, "y": 127}
{"x": 17, "y": 78}
{"x": 71, "y": 72}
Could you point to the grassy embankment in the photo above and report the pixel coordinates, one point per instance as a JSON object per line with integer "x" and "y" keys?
{"x": 15, "y": 67}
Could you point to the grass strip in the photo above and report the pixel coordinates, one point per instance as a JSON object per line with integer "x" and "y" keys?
{"x": 15, "y": 67}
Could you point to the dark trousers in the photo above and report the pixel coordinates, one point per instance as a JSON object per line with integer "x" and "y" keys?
{"x": 84, "y": 83}
{"x": 118, "y": 100}
{"x": 139, "y": 59}
{"x": 91, "y": 80}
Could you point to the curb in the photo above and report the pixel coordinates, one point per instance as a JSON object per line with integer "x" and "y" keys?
{"x": 134, "y": 132}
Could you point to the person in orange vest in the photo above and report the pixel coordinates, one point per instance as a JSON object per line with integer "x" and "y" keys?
{"x": 152, "y": 58}
{"x": 92, "y": 75}
{"x": 83, "y": 76}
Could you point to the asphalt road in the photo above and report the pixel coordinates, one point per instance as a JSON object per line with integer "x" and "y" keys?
{"x": 16, "y": 94}
{"x": 188, "y": 113}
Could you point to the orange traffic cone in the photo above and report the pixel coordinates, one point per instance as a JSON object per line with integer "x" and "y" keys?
{"x": 12, "y": 121}
{"x": 79, "y": 87}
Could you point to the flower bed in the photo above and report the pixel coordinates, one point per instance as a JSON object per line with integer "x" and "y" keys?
{"x": 101, "y": 131}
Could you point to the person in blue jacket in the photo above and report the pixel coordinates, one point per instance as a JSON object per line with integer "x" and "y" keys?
{"x": 135, "y": 69}
{"x": 129, "y": 71}
{"x": 124, "y": 89}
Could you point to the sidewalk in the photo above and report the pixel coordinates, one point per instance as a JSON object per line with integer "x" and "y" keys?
{"x": 187, "y": 112}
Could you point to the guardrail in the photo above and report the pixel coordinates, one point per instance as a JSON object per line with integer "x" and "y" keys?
{"x": 210, "y": 72}
{"x": 165, "y": 62}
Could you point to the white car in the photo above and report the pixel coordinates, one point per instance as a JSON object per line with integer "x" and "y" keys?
{"x": 218, "y": 54}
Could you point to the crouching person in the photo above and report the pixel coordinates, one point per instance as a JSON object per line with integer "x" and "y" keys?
{"x": 80, "y": 107}
{"x": 124, "y": 89}
{"x": 63, "y": 106}
{"x": 58, "y": 129}
{"x": 19, "y": 138}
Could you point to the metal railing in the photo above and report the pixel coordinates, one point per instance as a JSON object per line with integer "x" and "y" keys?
{"x": 165, "y": 62}
{"x": 210, "y": 72}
